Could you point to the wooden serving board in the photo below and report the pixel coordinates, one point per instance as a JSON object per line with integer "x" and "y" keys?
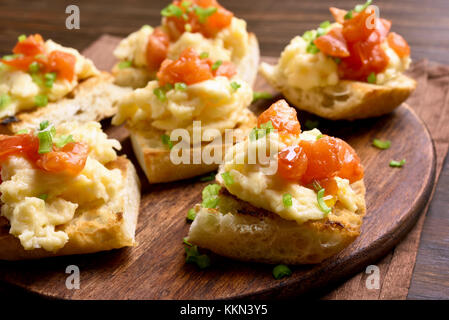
{"x": 155, "y": 269}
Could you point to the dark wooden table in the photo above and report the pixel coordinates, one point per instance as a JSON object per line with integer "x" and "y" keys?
{"x": 425, "y": 25}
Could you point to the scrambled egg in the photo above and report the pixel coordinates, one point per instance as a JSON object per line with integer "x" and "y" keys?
{"x": 34, "y": 220}
{"x": 230, "y": 44}
{"x": 22, "y": 89}
{"x": 213, "y": 102}
{"x": 299, "y": 69}
{"x": 266, "y": 191}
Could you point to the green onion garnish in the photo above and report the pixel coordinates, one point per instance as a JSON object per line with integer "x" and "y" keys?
{"x": 23, "y": 131}
{"x": 310, "y": 124}
{"x": 187, "y": 243}
{"x": 186, "y": 4}
{"x": 319, "y": 136}
{"x": 5, "y": 100}
{"x": 261, "y": 95}
{"x": 61, "y": 141}
{"x": 180, "y": 86}
{"x": 321, "y": 204}
{"x": 381, "y": 144}
{"x": 204, "y": 13}
{"x": 204, "y": 55}
{"x": 43, "y": 196}
{"x": 362, "y": 7}
{"x": 397, "y": 164}
{"x": 193, "y": 256}
{"x": 166, "y": 140}
{"x": 41, "y": 100}
{"x": 125, "y": 64}
{"x": 209, "y": 177}
{"x": 371, "y": 78}
{"x": 191, "y": 214}
{"x": 210, "y": 196}
{"x": 309, "y": 35}
{"x": 45, "y": 141}
{"x": 172, "y": 11}
{"x": 325, "y": 24}
{"x": 257, "y": 133}
{"x": 37, "y": 79}
{"x": 44, "y": 125}
{"x": 312, "y": 48}
{"x": 216, "y": 65}
{"x": 348, "y": 15}
{"x": 34, "y": 67}
{"x": 10, "y": 57}
{"x": 281, "y": 271}
{"x": 287, "y": 200}
{"x": 235, "y": 86}
{"x": 160, "y": 94}
{"x": 22, "y": 37}
{"x": 50, "y": 79}
{"x": 228, "y": 180}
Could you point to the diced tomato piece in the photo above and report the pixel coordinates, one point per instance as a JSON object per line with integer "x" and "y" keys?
{"x": 226, "y": 69}
{"x": 63, "y": 63}
{"x": 292, "y": 163}
{"x": 333, "y": 43}
{"x": 69, "y": 160}
{"x": 398, "y": 44}
{"x": 358, "y": 28}
{"x": 214, "y": 23}
{"x": 23, "y": 144}
{"x": 330, "y": 186}
{"x": 338, "y": 14}
{"x": 157, "y": 48}
{"x": 351, "y": 167}
{"x": 31, "y": 46}
{"x": 189, "y": 68}
{"x": 282, "y": 117}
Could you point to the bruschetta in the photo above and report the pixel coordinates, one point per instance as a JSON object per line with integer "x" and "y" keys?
{"x": 43, "y": 80}
{"x": 65, "y": 191}
{"x": 308, "y": 209}
{"x": 191, "y": 88}
{"x": 203, "y": 25}
{"x": 349, "y": 69}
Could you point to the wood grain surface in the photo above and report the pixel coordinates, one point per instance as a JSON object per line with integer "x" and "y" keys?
{"x": 155, "y": 269}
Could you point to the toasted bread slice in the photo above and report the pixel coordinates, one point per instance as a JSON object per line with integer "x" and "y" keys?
{"x": 154, "y": 156}
{"x": 348, "y": 100}
{"x": 241, "y": 231}
{"x": 139, "y": 77}
{"x": 91, "y": 230}
{"x": 93, "y": 100}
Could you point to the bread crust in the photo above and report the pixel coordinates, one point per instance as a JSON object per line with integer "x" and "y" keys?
{"x": 93, "y": 230}
{"x": 348, "y": 100}
{"x": 241, "y": 231}
{"x": 139, "y": 77}
{"x": 154, "y": 158}
{"x": 92, "y": 100}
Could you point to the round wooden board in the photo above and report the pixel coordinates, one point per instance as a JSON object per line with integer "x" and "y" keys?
{"x": 155, "y": 269}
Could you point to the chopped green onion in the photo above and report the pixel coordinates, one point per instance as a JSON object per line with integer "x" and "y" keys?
{"x": 321, "y": 204}
{"x": 310, "y": 124}
{"x": 191, "y": 214}
{"x": 235, "y": 86}
{"x": 312, "y": 48}
{"x": 209, "y": 177}
{"x": 267, "y": 126}
{"x": 204, "y": 55}
{"x": 61, "y": 141}
{"x": 309, "y": 35}
{"x": 348, "y": 15}
{"x": 204, "y": 13}
{"x": 193, "y": 256}
{"x": 187, "y": 243}
{"x": 325, "y": 24}
{"x": 319, "y": 136}
{"x": 22, "y": 37}
{"x": 172, "y": 11}
{"x": 34, "y": 67}
{"x": 37, "y": 79}
{"x": 210, "y": 196}
{"x": 180, "y": 86}
{"x": 23, "y": 131}
{"x": 261, "y": 95}
{"x": 125, "y": 64}
{"x": 5, "y": 100}
{"x": 216, "y": 65}
{"x": 228, "y": 180}
{"x": 257, "y": 133}
{"x": 50, "y": 79}
{"x": 281, "y": 271}
{"x": 371, "y": 78}
{"x": 160, "y": 94}
{"x": 381, "y": 144}
{"x": 10, "y": 57}
{"x": 166, "y": 140}
{"x": 45, "y": 141}
{"x": 397, "y": 164}
{"x": 44, "y": 125}
{"x": 362, "y": 7}
{"x": 146, "y": 27}
{"x": 287, "y": 200}
{"x": 186, "y": 4}
{"x": 41, "y": 100}
{"x": 43, "y": 196}
{"x": 188, "y": 27}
